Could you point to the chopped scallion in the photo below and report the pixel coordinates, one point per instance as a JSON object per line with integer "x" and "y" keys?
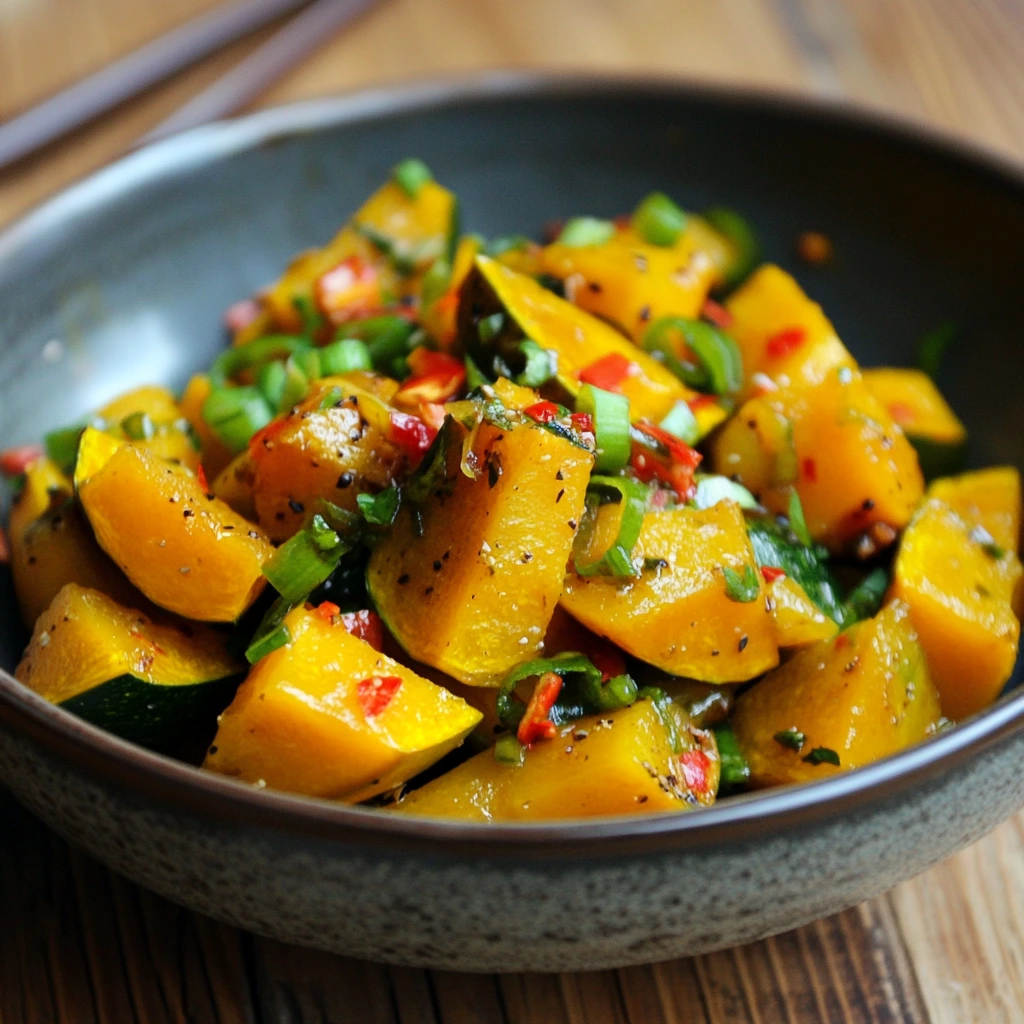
{"x": 509, "y": 751}
{"x": 713, "y": 489}
{"x": 734, "y": 767}
{"x": 380, "y": 509}
{"x": 295, "y": 388}
{"x": 304, "y": 561}
{"x": 610, "y": 413}
{"x": 746, "y": 252}
{"x": 797, "y": 521}
{"x": 270, "y": 379}
{"x": 541, "y": 364}
{"x": 235, "y": 414}
{"x": 62, "y": 446}
{"x": 254, "y": 354}
{"x": 681, "y": 422}
{"x": 411, "y": 175}
{"x": 345, "y": 356}
{"x": 582, "y": 231}
{"x": 658, "y": 220}
{"x": 271, "y": 633}
{"x": 742, "y": 588}
{"x": 137, "y": 426}
{"x": 618, "y": 559}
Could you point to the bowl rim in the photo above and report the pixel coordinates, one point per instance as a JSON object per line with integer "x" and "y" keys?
{"x": 172, "y": 784}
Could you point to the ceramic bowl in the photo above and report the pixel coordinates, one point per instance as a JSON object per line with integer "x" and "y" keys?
{"x": 123, "y": 278}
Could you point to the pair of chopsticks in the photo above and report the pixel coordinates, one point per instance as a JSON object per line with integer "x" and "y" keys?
{"x": 128, "y": 77}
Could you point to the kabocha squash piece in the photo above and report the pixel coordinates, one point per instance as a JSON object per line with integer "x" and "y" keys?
{"x": 632, "y": 283}
{"x": 52, "y": 544}
{"x": 619, "y": 763}
{"x": 914, "y": 402}
{"x": 184, "y": 549}
{"x": 856, "y": 698}
{"x": 677, "y": 613}
{"x": 214, "y": 453}
{"x": 334, "y": 444}
{"x": 959, "y": 585}
{"x": 327, "y": 715}
{"x": 798, "y": 620}
{"x": 989, "y": 497}
{"x": 855, "y": 472}
{"x": 782, "y": 334}
{"x": 580, "y": 340}
{"x": 234, "y": 486}
{"x": 468, "y": 582}
{"x": 150, "y": 417}
{"x": 153, "y": 682}
{"x": 381, "y": 254}
{"x": 439, "y": 314}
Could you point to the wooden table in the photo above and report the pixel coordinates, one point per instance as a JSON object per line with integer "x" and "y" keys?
{"x": 78, "y": 943}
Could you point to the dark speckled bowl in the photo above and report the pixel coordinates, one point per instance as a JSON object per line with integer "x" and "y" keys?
{"x": 130, "y": 271}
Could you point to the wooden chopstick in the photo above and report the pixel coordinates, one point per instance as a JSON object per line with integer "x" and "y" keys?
{"x": 282, "y": 52}
{"x": 131, "y": 75}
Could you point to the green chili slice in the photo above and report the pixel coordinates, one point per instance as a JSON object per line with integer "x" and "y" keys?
{"x": 742, "y": 239}
{"x": 658, "y": 220}
{"x": 610, "y": 413}
{"x": 253, "y": 354}
{"x": 235, "y": 414}
{"x": 345, "y": 356}
{"x": 617, "y": 560}
{"x": 718, "y": 367}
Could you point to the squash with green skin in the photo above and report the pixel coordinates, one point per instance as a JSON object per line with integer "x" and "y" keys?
{"x": 677, "y": 614}
{"x": 184, "y": 549}
{"x": 580, "y": 340}
{"x": 327, "y": 715}
{"x": 52, "y": 544}
{"x": 152, "y": 682}
{"x": 618, "y": 763}
{"x": 861, "y": 695}
{"x": 482, "y": 559}
{"x": 916, "y": 404}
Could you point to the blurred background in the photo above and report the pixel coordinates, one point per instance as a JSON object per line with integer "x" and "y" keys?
{"x": 953, "y": 63}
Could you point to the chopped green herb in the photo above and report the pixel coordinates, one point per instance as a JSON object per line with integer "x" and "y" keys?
{"x": 866, "y": 598}
{"x": 735, "y": 771}
{"x": 822, "y": 755}
{"x": 797, "y": 522}
{"x": 411, "y": 175}
{"x": 380, "y": 509}
{"x": 742, "y": 589}
{"x": 792, "y": 738}
{"x": 541, "y": 364}
{"x": 981, "y": 536}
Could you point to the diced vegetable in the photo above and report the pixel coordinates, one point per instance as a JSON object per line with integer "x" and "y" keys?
{"x": 860, "y": 696}
{"x": 677, "y": 614}
{"x": 215, "y": 454}
{"x": 798, "y": 620}
{"x": 989, "y": 497}
{"x": 154, "y": 682}
{"x": 327, "y": 715}
{"x": 618, "y": 763}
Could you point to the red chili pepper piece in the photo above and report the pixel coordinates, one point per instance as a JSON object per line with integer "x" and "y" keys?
{"x": 238, "y": 316}
{"x": 542, "y": 412}
{"x": 701, "y": 402}
{"x": 435, "y": 388}
{"x": 785, "y": 342}
{"x": 608, "y": 372}
{"x": 536, "y": 724}
{"x": 810, "y": 470}
{"x": 411, "y": 434}
{"x": 376, "y": 693}
{"x": 842, "y": 641}
{"x": 772, "y": 573}
{"x": 716, "y": 314}
{"x": 433, "y": 414}
{"x": 349, "y": 290}
{"x": 675, "y": 468}
{"x": 14, "y": 461}
{"x": 326, "y": 610}
{"x": 423, "y": 362}
{"x": 201, "y": 477}
{"x": 695, "y": 765}
{"x": 366, "y": 625}
{"x": 583, "y": 422}
{"x": 903, "y": 414}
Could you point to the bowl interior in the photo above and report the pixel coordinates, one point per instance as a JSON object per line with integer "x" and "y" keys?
{"x": 129, "y": 272}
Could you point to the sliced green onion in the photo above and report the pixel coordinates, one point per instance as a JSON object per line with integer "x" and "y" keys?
{"x": 507, "y": 243}
{"x": 713, "y": 489}
{"x": 541, "y": 364}
{"x": 295, "y": 388}
{"x": 137, "y": 426}
{"x": 387, "y": 337}
{"x": 582, "y": 231}
{"x": 719, "y": 367}
{"x": 866, "y": 598}
{"x": 658, "y": 220}
{"x": 734, "y": 767}
{"x": 681, "y": 422}
{"x": 741, "y": 237}
{"x": 741, "y": 588}
{"x": 254, "y": 354}
{"x": 235, "y": 414}
{"x": 411, "y": 175}
{"x": 509, "y": 751}
{"x": 270, "y": 379}
{"x": 304, "y": 561}
{"x": 489, "y": 327}
{"x": 931, "y": 349}
{"x": 610, "y": 413}
{"x": 62, "y": 446}
{"x": 617, "y": 560}
{"x": 312, "y": 318}
{"x": 380, "y": 509}
{"x": 797, "y": 521}
{"x": 619, "y": 692}
{"x": 344, "y": 357}
{"x": 271, "y": 633}
{"x": 308, "y": 361}
{"x": 436, "y": 281}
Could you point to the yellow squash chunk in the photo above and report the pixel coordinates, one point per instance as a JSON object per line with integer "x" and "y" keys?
{"x": 327, "y": 715}
{"x": 168, "y": 436}
{"x": 52, "y": 544}
{"x": 312, "y": 452}
{"x": 214, "y": 453}
{"x": 579, "y": 338}
{"x": 234, "y": 486}
{"x": 855, "y": 471}
{"x": 677, "y": 614}
{"x": 633, "y": 283}
{"x": 781, "y": 333}
{"x": 960, "y": 592}
{"x": 989, "y": 497}
{"x": 185, "y": 550}
{"x": 620, "y": 763}
{"x": 798, "y": 620}
{"x": 150, "y": 681}
{"x": 913, "y": 401}
{"x": 863, "y": 695}
{"x": 471, "y": 592}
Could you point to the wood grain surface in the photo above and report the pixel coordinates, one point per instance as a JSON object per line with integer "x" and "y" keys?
{"x": 78, "y": 943}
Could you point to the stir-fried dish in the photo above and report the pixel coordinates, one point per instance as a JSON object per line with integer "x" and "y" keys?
{"x": 509, "y": 530}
